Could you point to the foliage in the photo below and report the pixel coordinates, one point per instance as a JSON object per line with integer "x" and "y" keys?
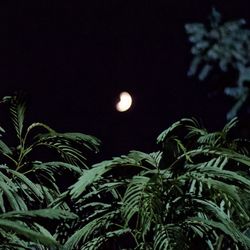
{"x": 192, "y": 193}
{"x": 22, "y": 229}
{"x": 226, "y": 45}
{"x": 29, "y": 185}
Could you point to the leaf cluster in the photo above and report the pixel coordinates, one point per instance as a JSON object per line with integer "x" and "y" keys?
{"x": 189, "y": 194}
{"x": 224, "y": 45}
{"x": 29, "y": 186}
{"x": 194, "y": 192}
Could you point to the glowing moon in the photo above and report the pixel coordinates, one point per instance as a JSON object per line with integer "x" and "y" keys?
{"x": 125, "y": 102}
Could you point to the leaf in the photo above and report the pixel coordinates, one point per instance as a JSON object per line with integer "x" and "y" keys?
{"x": 17, "y": 110}
{"x": 63, "y": 147}
{"x": 227, "y": 227}
{"x": 91, "y": 142}
{"x": 89, "y": 177}
{"x": 40, "y": 125}
{"x": 169, "y": 236}
{"x": 49, "y": 213}
{"x": 24, "y": 180}
{"x": 204, "y": 72}
{"x": 168, "y": 132}
{"x": 231, "y": 124}
{"x": 30, "y": 234}
{"x": 9, "y": 190}
{"x": 5, "y": 149}
{"x": 143, "y": 200}
{"x": 84, "y": 233}
{"x": 55, "y": 167}
{"x": 98, "y": 242}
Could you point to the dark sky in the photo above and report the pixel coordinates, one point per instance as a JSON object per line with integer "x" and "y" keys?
{"x": 74, "y": 57}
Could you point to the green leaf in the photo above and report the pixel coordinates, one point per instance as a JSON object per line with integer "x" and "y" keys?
{"x": 89, "y": 177}
{"x": 10, "y": 191}
{"x": 5, "y": 149}
{"x": 56, "y": 167}
{"x": 30, "y": 234}
{"x": 17, "y": 110}
{"x": 49, "y": 213}
{"x": 24, "y": 180}
{"x": 84, "y": 234}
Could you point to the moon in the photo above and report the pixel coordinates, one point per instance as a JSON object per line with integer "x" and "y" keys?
{"x": 125, "y": 102}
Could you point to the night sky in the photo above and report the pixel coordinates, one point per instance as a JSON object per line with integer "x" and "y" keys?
{"x": 73, "y": 58}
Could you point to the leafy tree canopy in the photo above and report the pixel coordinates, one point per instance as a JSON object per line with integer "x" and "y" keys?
{"x": 225, "y": 45}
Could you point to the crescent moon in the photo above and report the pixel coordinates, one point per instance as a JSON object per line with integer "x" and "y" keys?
{"x": 125, "y": 102}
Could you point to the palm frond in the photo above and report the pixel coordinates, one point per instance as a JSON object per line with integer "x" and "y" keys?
{"x": 23, "y": 230}
{"x": 142, "y": 202}
{"x": 17, "y": 109}
{"x": 231, "y": 124}
{"x": 101, "y": 241}
{"x": 4, "y": 149}
{"x": 133, "y": 197}
{"x": 63, "y": 147}
{"x": 174, "y": 127}
{"x": 55, "y": 167}
{"x": 158, "y": 204}
{"x": 169, "y": 237}
{"x": 10, "y": 190}
{"x": 91, "y": 142}
{"x": 10, "y": 241}
{"x": 89, "y": 177}
{"x": 213, "y": 139}
{"x": 68, "y": 145}
{"x": 26, "y": 183}
{"x": 86, "y": 232}
{"x": 39, "y": 125}
{"x": 49, "y": 213}
{"x": 228, "y": 228}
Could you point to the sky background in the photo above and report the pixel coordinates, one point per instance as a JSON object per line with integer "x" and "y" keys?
{"x": 73, "y": 58}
